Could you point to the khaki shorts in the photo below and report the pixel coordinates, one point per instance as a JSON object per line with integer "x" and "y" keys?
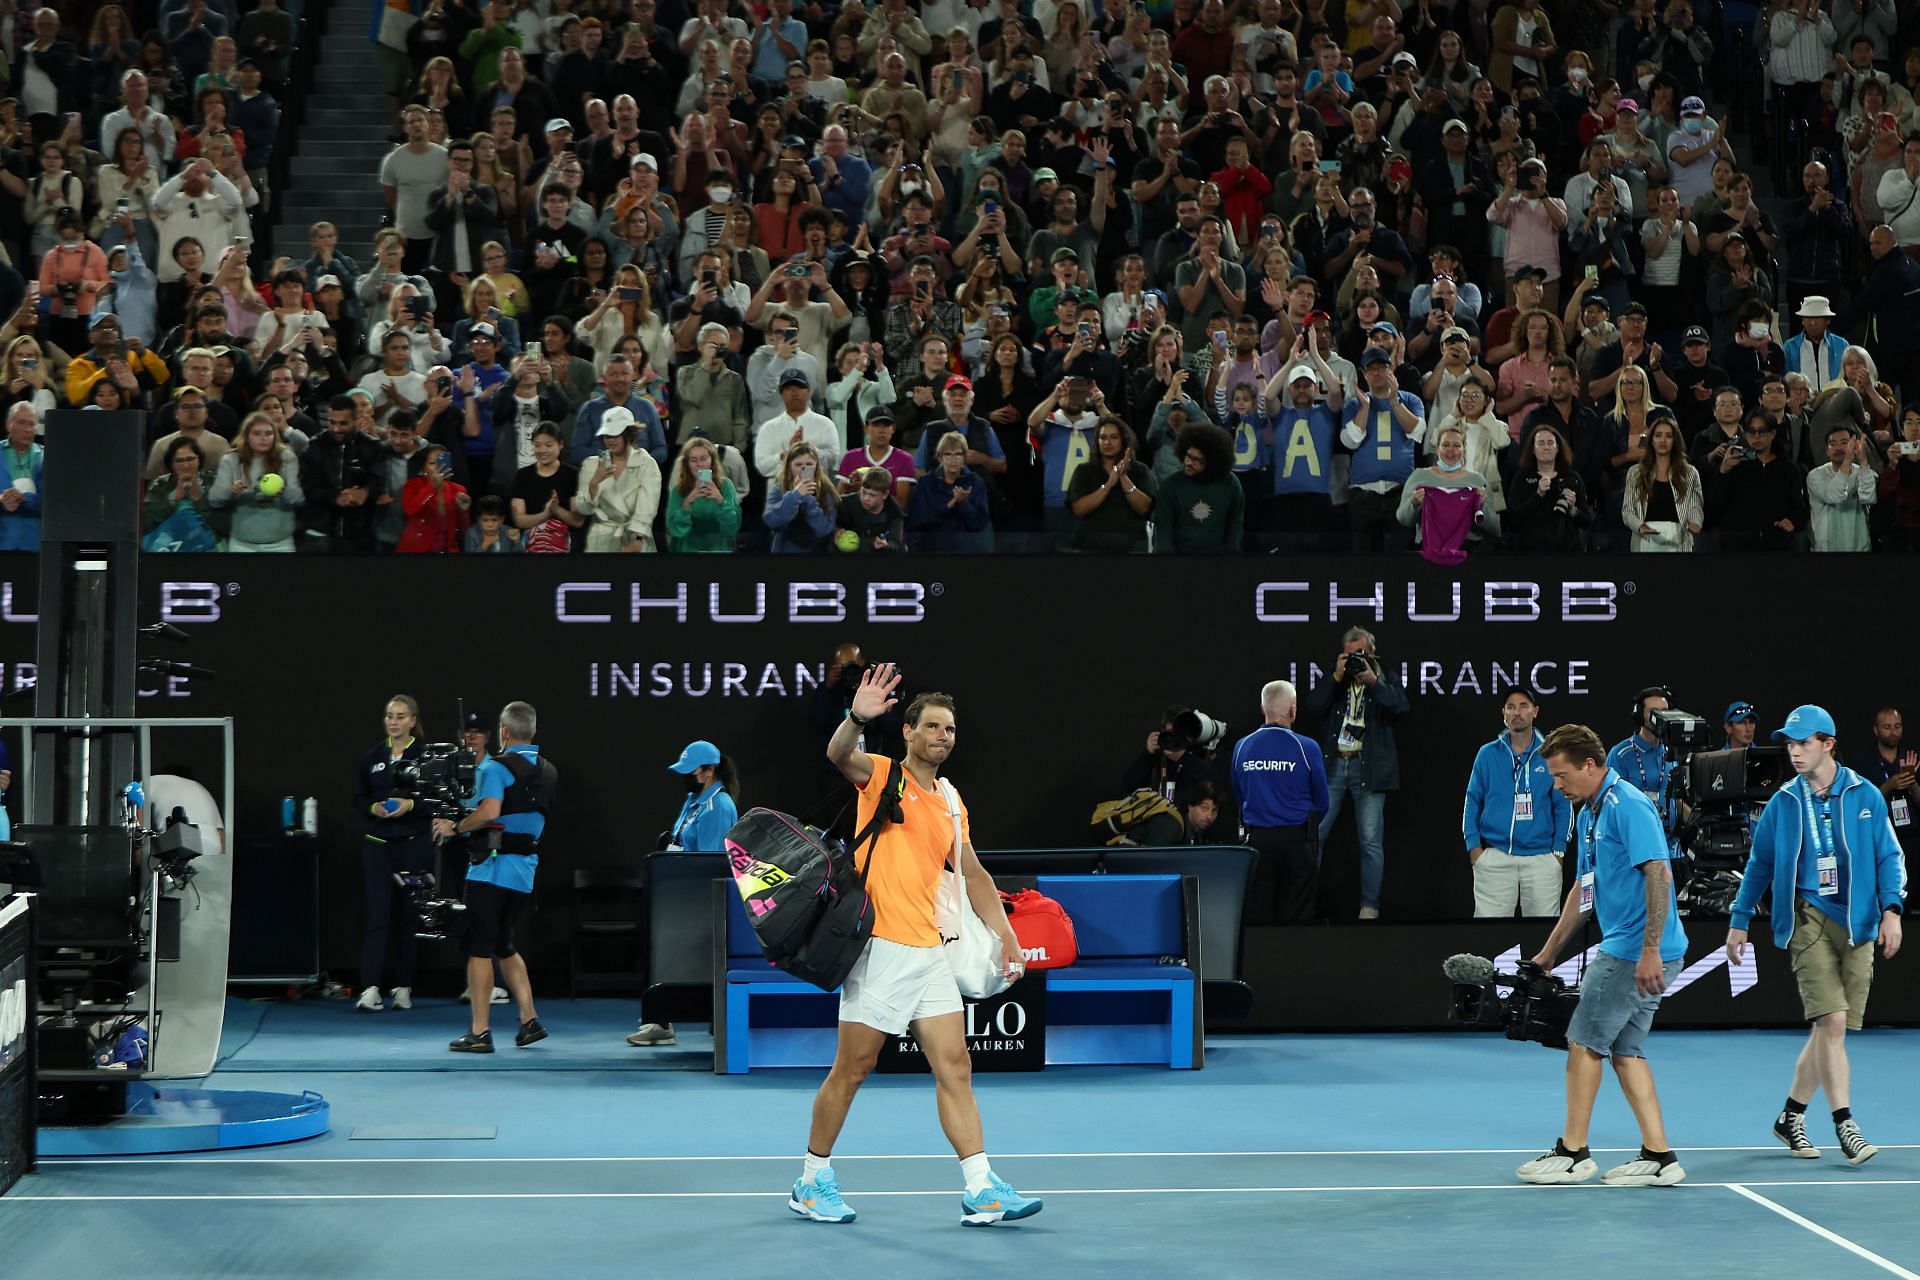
{"x": 1833, "y": 973}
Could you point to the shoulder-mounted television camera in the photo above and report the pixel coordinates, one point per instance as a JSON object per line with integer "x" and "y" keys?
{"x": 1539, "y": 1009}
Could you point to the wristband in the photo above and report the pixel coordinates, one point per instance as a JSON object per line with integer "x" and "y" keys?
{"x": 858, "y": 723}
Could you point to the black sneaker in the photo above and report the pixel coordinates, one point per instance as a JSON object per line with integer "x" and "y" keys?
{"x": 1791, "y": 1129}
{"x": 531, "y": 1032}
{"x": 1855, "y": 1148}
{"x": 471, "y": 1043}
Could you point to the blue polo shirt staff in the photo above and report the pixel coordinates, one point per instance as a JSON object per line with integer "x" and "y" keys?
{"x": 708, "y": 812}
{"x": 1280, "y": 782}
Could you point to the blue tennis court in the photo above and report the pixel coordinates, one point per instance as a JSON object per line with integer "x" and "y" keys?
{"x": 1315, "y": 1155}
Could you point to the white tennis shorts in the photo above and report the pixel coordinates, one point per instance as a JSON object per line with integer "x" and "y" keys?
{"x": 892, "y": 984}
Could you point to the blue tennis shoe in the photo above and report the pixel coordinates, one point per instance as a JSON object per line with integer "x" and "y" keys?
{"x": 998, "y": 1203}
{"x": 820, "y": 1199}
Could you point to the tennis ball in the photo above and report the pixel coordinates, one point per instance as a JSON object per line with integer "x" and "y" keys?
{"x": 271, "y": 484}
{"x": 847, "y": 540}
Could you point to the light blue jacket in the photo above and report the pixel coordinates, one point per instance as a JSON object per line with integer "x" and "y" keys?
{"x": 1863, "y": 836}
{"x": 1488, "y": 820}
{"x": 705, "y": 820}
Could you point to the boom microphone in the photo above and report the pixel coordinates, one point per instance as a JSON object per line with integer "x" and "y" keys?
{"x": 1476, "y": 970}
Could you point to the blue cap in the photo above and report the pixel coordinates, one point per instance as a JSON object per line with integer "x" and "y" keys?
{"x": 1738, "y": 710}
{"x": 1375, "y": 355}
{"x": 795, "y": 377}
{"x": 1386, "y": 326}
{"x": 1804, "y": 723}
{"x": 697, "y": 753}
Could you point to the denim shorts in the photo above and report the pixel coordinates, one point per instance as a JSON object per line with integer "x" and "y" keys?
{"x": 1612, "y": 1017}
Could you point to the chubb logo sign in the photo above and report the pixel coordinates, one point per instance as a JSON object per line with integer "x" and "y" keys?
{"x": 1504, "y": 601}
{"x": 604, "y": 602}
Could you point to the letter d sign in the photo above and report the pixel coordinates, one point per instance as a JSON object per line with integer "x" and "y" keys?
{"x": 189, "y": 602}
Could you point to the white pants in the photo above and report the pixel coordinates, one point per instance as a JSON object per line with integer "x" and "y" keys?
{"x": 1502, "y": 882}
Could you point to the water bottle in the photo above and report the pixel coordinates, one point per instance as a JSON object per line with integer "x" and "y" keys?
{"x": 310, "y": 816}
{"x": 287, "y": 813}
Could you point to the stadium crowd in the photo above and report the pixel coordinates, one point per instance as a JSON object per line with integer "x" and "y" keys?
{"x": 972, "y": 275}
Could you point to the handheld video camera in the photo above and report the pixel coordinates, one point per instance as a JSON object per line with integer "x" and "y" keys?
{"x": 1539, "y": 1009}
{"x": 438, "y": 780}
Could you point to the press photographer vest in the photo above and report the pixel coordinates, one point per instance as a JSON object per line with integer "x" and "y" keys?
{"x": 532, "y": 791}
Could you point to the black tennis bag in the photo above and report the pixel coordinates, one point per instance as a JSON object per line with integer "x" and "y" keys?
{"x": 803, "y": 893}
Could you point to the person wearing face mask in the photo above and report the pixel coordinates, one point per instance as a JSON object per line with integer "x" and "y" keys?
{"x": 1445, "y": 503}
{"x": 1692, "y": 150}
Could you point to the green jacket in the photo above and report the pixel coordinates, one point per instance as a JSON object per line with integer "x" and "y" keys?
{"x": 1198, "y": 517}
{"x": 706, "y": 525}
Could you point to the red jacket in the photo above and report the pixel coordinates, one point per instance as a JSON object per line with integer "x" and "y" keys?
{"x": 432, "y": 529}
{"x": 1243, "y": 200}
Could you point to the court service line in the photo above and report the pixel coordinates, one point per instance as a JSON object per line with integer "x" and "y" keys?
{"x": 1005, "y": 1155}
{"x": 1831, "y": 1237}
{"x": 760, "y": 1195}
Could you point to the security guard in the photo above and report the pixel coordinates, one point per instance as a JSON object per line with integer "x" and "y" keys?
{"x": 1280, "y": 780}
{"x": 513, "y": 795}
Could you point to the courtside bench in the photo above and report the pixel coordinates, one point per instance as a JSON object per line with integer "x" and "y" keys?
{"x": 1133, "y": 996}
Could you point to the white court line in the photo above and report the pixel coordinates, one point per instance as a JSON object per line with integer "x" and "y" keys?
{"x": 1831, "y": 1237}
{"x": 1058, "y": 1191}
{"x": 1004, "y": 1155}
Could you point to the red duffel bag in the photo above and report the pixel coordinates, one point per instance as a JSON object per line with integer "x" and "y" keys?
{"x": 1045, "y": 932}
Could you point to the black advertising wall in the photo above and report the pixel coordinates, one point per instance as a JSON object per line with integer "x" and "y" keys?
{"x": 1060, "y": 667}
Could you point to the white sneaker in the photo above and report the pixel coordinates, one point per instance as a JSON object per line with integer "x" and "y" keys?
{"x": 369, "y": 1001}
{"x": 652, "y": 1033}
{"x": 1641, "y": 1172}
{"x": 1369, "y": 913}
{"x": 1556, "y": 1168}
{"x": 403, "y": 997}
{"x": 500, "y": 996}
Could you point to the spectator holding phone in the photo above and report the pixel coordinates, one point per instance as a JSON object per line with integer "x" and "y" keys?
{"x": 436, "y": 507}
{"x": 703, "y": 509}
{"x": 619, "y": 489}
{"x": 801, "y": 503}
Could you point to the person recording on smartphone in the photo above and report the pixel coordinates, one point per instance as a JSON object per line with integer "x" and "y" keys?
{"x": 512, "y": 799}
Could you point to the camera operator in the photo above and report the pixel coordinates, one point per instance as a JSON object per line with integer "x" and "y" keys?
{"x": 1172, "y": 761}
{"x": 834, "y": 697}
{"x": 1356, "y": 708}
{"x": 395, "y": 841}
{"x": 474, "y": 732}
{"x": 1824, "y": 844}
{"x": 1742, "y": 724}
{"x": 1625, "y": 881}
{"x": 1515, "y": 822}
{"x": 1280, "y": 781}
{"x": 1641, "y": 758}
{"x": 513, "y": 793}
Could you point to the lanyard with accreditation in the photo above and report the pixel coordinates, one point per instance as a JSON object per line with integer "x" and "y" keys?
{"x": 1589, "y": 851}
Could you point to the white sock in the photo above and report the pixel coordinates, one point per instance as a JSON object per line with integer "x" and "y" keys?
{"x": 814, "y": 1165}
{"x": 975, "y": 1170}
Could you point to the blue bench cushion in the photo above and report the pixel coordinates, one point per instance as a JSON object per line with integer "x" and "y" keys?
{"x": 1118, "y": 968}
{"x": 1124, "y": 917}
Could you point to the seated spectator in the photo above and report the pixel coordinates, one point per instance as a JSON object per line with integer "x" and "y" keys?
{"x": 1757, "y": 499}
{"x": 703, "y": 507}
{"x": 1664, "y": 505}
{"x": 436, "y": 507}
{"x": 1445, "y": 503}
{"x": 182, "y": 485}
{"x": 262, "y": 517}
{"x": 1111, "y": 494}
{"x": 490, "y": 534}
{"x": 1839, "y": 493}
{"x": 801, "y": 503}
{"x": 1547, "y": 505}
{"x": 20, "y": 500}
{"x": 541, "y": 496}
{"x": 1200, "y": 509}
{"x": 948, "y": 509}
{"x": 869, "y": 513}
{"x": 619, "y": 490}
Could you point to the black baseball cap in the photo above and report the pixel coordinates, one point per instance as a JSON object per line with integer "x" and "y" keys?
{"x": 1633, "y": 309}
{"x": 1695, "y": 334}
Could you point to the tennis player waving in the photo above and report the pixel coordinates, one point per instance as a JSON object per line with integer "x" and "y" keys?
{"x": 902, "y": 980}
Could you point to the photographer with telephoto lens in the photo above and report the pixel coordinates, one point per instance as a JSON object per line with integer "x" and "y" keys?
{"x": 1356, "y": 707}
{"x": 1626, "y": 883}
